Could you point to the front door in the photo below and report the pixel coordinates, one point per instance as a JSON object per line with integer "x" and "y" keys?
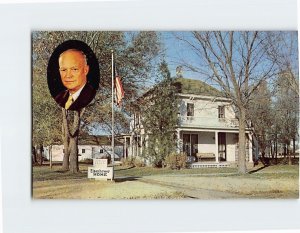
{"x": 190, "y": 144}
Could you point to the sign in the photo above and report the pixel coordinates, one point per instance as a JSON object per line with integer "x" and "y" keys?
{"x": 100, "y": 173}
{"x": 100, "y": 170}
{"x": 100, "y": 162}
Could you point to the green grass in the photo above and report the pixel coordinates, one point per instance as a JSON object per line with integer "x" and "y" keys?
{"x": 148, "y": 171}
{"x": 45, "y": 173}
{"x": 279, "y": 171}
{"x": 281, "y": 181}
{"x": 274, "y": 172}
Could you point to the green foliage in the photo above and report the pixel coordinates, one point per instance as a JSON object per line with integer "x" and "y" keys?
{"x": 129, "y": 161}
{"x": 260, "y": 113}
{"x": 195, "y": 87}
{"x": 46, "y": 115}
{"x": 286, "y": 106}
{"x": 138, "y": 162}
{"x": 176, "y": 161}
{"x": 159, "y": 108}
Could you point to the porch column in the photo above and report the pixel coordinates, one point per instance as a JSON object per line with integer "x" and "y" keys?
{"x": 250, "y": 147}
{"x": 178, "y": 149}
{"x": 141, "y": 144}
{"x": 217, "y": 147}
{"x": 125, "y": 147}
{"x": 130, "y": 152}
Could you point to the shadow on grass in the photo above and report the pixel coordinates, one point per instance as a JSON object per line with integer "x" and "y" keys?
{"x": 191, "y": 197}
{"x": 258, "y": 169}
{"x": 128, "y": 178}
{"x": 124, "y": 169}
{"x": 62, "y": 171}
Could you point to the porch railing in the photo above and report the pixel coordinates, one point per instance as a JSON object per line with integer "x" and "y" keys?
{"x": 208, "y": 122}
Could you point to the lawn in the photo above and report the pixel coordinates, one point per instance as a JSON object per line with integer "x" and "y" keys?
{"x": 281, "y": 181}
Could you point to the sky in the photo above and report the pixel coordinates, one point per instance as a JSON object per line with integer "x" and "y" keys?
{"x": 176, "y": 51}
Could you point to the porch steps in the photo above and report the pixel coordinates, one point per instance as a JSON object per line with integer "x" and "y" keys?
{"x": 208, "y": 165}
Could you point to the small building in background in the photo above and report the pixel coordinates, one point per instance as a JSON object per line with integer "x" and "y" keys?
{"x": 89, "y": 147}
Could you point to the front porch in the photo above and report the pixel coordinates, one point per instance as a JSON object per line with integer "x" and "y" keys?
{"x": 212, "y": 148}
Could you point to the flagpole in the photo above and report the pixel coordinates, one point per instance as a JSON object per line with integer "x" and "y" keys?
{"x": 112, "y": 110}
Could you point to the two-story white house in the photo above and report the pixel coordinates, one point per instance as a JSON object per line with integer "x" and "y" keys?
{"x": 207, "y": 129}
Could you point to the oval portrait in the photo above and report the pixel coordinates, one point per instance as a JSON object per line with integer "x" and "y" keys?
{"x": 73, "y": 75}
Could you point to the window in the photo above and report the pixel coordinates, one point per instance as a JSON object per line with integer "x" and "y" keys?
{"x": 221, "y": 110}
{"x": 190, "y": 109}
{"x": 136, "y": 118}
{"x": 101, "y": 151}
{"x": 82, "y": 151}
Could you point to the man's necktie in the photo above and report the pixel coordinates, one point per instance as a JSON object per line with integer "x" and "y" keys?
{"x": 69, "y": 102}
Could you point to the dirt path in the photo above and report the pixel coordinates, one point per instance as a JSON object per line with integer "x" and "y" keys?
{"x": 192, "y": 192}
{"x": 230, "y": 187}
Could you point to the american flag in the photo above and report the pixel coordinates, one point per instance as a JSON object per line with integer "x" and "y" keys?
{"x": 118, "y": 89}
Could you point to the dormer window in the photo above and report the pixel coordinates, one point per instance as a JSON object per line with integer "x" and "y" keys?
{"x": 190, "y": 109}
{"x": 221, "y": 111}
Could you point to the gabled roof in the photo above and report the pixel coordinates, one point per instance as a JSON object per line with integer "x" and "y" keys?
{"x": 188, "y": 87}
{"x": 195, "y": 87}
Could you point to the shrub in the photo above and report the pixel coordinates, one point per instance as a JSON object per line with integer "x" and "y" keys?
{"x": 171, "y": 161}
{"x": 129, "y": 161}
{"x": 176, "y": 161}
{"x": 87, "y": 161}
{"x": 132, "y": 161}
{"x": 158, "y": 163}
{"x": 138, "y": 162}
{"x": 181, "y": 160}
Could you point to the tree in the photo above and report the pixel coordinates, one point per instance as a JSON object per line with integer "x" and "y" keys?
{"x": 287, "y": 112}
{"x": 286, "y": 89}
{"x": 160, "y": 107}
{"x": 261, "y": 115}
{"x": 46, "y": 128}
{"x": 237, "y": 62}
{"x": 135, "y": 57}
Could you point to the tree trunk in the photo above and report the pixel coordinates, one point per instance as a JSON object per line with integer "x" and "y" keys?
{"x": 276, "y": 150}
{"x": 242, "y": 142}
{"x": 50, "y": 156}
{"x": 70, "y": 137}
{"x": 34, "y": 159}
{"x": 272, "y": 151}
{"x": 289, "y": 155}
{"x": 284, "y": 151}
{"x": 73, "y": 155}
{"x": 65, "y": 137}
{"x": 41, "y": 158}
{"x": 294, "y": 147}
{"x": 73, "y": 146}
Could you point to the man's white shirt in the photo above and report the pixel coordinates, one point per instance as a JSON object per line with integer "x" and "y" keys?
{"x": 77, "y": 93}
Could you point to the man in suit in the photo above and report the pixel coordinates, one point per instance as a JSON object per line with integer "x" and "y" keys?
{"x": 73, "y": 69}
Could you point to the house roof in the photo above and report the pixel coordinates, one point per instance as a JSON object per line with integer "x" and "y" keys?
{"x": 188, "y": 87}
{"x": 196, "y": 87}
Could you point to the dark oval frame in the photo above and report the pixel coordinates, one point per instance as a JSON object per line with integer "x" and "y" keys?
{"x": 55, "y": 84}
